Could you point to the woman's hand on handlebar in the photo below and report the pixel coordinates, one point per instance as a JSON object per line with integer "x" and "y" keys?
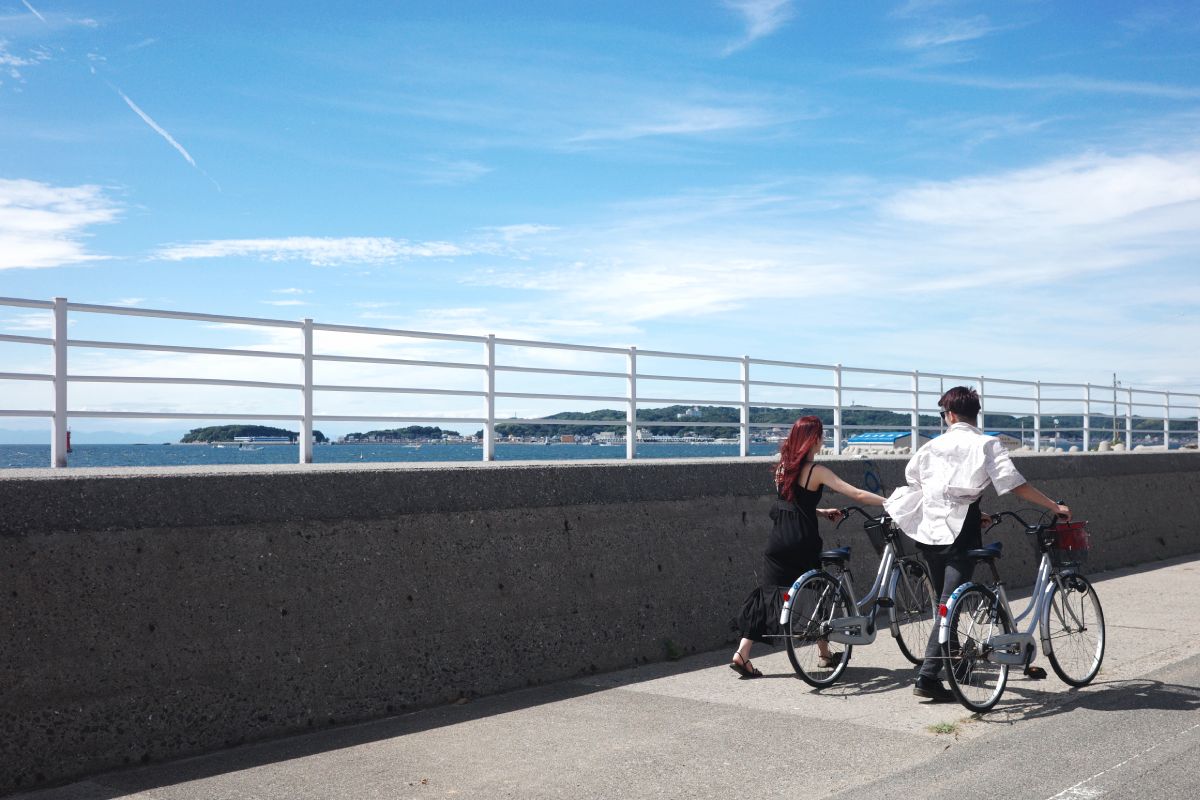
{"x": 832, "y": 514}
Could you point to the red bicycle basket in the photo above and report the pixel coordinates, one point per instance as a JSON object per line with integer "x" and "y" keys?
{"x": 1071, "y": 542}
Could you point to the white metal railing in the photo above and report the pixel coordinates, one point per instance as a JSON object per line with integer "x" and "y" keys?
{"x": 912, "y": 393}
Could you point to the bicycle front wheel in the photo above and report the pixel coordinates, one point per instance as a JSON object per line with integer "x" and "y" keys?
{"x": 912, "y": 610}
{"x": 1073, "y": 629}
{"x": 976, "y": 617}
{"x": 819, "y": 599}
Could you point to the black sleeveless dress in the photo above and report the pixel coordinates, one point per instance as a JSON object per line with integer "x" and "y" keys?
{"x": 793, "y": 548}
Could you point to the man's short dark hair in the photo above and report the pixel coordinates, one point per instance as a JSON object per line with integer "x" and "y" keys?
{"x": 963, "y": 401}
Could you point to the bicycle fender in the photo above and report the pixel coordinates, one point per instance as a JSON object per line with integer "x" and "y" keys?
{"x": 946, "y": 611}
{"x": 786, "y": 613}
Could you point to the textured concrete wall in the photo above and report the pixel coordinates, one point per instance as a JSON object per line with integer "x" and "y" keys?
{"x": 150, "y": 614}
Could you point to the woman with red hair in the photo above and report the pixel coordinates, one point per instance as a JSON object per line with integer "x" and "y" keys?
{"x": 794, "y": 542}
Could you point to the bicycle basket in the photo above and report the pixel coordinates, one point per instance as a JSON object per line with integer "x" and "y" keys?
{"x": 1070, "y": 542}
{"x": 875, "y": 532}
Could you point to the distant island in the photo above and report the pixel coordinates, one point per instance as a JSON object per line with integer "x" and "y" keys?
{"x": 606, "y": 423}
{"x": 409, "y": 434}
{"x": 230, "y": 433}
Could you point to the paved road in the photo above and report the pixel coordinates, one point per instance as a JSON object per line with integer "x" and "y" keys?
{"x": 691, "y": 729}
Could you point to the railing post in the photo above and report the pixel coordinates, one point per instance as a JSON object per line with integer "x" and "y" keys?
{"x": 1037, "y": 417}
{"x": 744, "y": 446}
{"x": 1087, "y": 417}
{"x": 631, "y": 409}
{"x": 915, "y": 441}
{"x": 58, "y": 441}
{"x": 982, "y": 405}
{"x": 489, "y": 388}
{"x": 1167, "y": 421}
{"x": 837, "y": 409}
{"x": 306, "y": 394}
{"x": 1129, "y": 419}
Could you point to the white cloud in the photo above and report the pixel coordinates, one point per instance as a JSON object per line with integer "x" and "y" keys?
{"x": 45, "y": 226}
{"x": 291, "y": 290}
{"x": 284, "y": 302}
{"x": 680, "y": 120}
{"x": 1091, "y": 190}
{"x": 761, "y": 17}
{"x": 318, "y": 251}
{"x": 949, "y": 31}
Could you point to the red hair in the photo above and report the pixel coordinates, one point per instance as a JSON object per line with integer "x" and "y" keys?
{"x": 806, "y": 434}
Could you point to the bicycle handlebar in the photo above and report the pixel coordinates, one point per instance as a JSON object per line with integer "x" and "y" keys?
{"x": 998, "y": 518}
{"x": 846, "y": 515}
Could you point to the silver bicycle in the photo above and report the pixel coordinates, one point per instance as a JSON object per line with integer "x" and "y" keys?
{"x": 979, "y": 635}
{"x": 822, "y": 622}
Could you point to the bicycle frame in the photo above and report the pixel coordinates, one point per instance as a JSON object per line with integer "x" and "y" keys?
{"x": 1001, "y": 647}
{"x": 858, "y": 630}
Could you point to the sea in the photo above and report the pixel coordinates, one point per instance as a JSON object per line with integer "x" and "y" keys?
{"x": 19, "y": 456}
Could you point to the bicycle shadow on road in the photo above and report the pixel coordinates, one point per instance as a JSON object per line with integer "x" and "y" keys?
{"x": 1120, "y": 695}
{"x": 860, "y": 680}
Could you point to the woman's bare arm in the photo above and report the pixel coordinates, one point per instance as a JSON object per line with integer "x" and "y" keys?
{"x": 827, "y": 478}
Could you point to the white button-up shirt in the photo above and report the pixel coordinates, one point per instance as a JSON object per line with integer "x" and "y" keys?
{"x": 944, "y": 478}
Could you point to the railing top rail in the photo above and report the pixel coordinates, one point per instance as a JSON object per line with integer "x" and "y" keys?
{"x": 692, "y": 356}
{"x": 587, "y": 348}
{"x": 374, "y": 331}
{"x": 129, "y": 311}
{"x": 795, "y": 364}
{"x": 21, "y": 302}
{"x": 905, "y": 373}
{"x": 1049, "y": 385}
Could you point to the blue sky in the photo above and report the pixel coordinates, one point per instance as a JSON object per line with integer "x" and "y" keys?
{"x": 1009, "y": 189}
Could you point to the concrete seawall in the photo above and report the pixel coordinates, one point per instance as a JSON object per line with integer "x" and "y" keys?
{"x": 151, "y": 614}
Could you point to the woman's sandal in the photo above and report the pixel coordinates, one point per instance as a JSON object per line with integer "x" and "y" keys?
{"x": 830, "y": 661}
{"x": 743, "y": 667}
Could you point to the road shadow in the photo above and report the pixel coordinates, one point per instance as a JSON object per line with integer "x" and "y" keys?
{"x": 1021, "y": 703}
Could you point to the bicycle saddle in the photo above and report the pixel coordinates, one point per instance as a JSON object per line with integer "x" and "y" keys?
{"x": 838, "y": 554}
{"x": 987, "y": 553}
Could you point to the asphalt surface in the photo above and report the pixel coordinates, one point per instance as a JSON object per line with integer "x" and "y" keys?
{"x": 693, "y": 729}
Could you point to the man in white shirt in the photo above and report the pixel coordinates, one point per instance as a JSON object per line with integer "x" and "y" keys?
{"x": 939, "y": 508}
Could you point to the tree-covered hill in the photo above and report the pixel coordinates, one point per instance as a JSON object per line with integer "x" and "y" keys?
{"x": 227, "y": 433}
{"x": 411, "y": 432}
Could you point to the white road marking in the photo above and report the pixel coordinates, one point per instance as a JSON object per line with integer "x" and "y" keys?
{"x": 1080, "y": 791}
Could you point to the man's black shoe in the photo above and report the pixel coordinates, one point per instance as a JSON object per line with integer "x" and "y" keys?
{"x": 933, "y": 689}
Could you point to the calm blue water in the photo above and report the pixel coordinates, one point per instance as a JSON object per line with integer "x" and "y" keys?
{"x": 161, "y": 455}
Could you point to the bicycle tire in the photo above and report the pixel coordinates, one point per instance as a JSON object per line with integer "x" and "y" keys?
{"x": 1073, "y": 629}
{"x": 914, "y": 609}
{"x": 819, "y": 599}
{"x": 973, "y": 618}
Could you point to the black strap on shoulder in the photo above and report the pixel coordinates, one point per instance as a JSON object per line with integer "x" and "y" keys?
{"x": 811, "y": 467}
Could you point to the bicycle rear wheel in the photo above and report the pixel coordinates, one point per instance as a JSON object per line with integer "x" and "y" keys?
{"x": 913, "y": 609}
{"x": 976, "y": 617}
{"x": 1073, "y": 629}
{"x": 818, "y": 600}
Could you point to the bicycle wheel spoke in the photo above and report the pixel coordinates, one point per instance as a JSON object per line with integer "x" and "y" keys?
{"x": 975, "y": 618}
{"x": 1073, "y": 630}
{"x": 817, "y": 660}
{"x": 913, "y": 612}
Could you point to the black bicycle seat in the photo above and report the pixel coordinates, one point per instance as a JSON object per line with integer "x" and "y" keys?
{"x": 838, "y": 554}
{"x": 986, "y": 553}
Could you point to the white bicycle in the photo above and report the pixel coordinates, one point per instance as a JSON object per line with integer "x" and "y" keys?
{"x": 822, "y": 622}
{"x": 979, "y": 636}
